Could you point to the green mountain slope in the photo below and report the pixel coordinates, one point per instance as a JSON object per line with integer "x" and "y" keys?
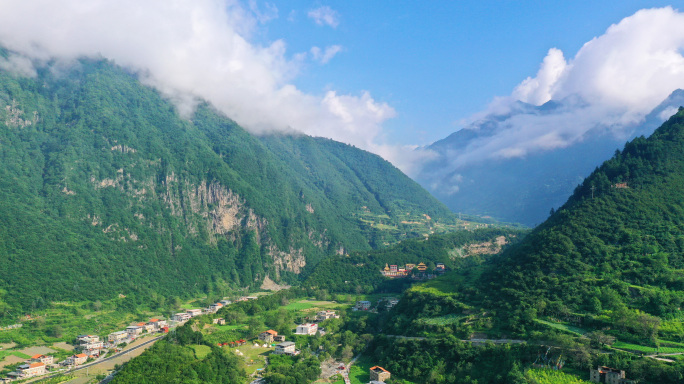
{"x": 105, "y": 190}
{"x": 619, "y": 240}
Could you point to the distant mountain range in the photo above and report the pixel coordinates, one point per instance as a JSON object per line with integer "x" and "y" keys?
{"x": 524, "y": 189}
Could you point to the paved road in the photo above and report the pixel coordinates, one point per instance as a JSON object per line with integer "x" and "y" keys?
{"x": 99, "y": 361}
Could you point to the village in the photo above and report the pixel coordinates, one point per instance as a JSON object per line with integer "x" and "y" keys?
{"x": 414, "y": 271}
{"x": 92, "y": 348}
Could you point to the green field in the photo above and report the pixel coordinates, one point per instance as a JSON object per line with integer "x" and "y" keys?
{"x": 4, "y": 354}
{"x": 229, "y": 327}
{"x": 563, "y": 327}
{"x": 644, "y": 349}
{"x": 308, "y": 304}
{"x": 547, "y": 376}
{"x": 201, "y": 351}
{"x": 441, "y": 320}
{"x": 255, "y": 357}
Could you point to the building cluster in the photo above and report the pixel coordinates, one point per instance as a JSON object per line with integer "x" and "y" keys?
{"x": 91, "y": 346}
{"x": 235, "y": 343}
{"x": 608, "y": 376}
{"x": 365, "y": 305}
{"x": 416, "y": 271}
{"x": 134, "y": 330}
{"x": 182, "y": 317}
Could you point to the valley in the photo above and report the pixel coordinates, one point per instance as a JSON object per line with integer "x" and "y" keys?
{"x": 192, "y": 212}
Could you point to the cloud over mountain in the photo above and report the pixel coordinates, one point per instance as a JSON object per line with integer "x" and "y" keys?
{"x": 613, "y": 81}
{"x": 192, "y": 50}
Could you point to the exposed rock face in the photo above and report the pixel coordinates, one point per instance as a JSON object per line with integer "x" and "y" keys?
{"x": 294, "y": 261}
{"x": 16, "y": 118}
{"x": 271, "y": 285}
{"x": 209, "y": 205}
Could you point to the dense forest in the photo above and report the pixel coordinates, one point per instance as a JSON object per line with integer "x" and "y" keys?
{"x": 106, "y": 190}
{"x": 600, "y": 281}
{"x": 617, "y": 243}
{"x": 359, "y": 272}
{"x": 174, "y": 360}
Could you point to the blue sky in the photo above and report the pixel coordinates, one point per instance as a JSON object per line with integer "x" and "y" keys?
{"x": 437, "y": 62}
{"x": 379, "y": 75}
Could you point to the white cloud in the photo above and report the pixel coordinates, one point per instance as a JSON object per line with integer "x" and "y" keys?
{"x": 540, "y": 89}
{"x": 19, "y": 65}
{"x": 667, "y": 113}
{"x": 323, "y": 56}
{"x": 195, "y": 49}
{"x": 325, "y": 16}
{"x": 613, "y": 81}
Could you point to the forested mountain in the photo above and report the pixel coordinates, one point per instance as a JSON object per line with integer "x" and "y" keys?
{"x": 106, "y": 190}
{"x": 533, "y": 184}
{"x": 617, "y": 242}
{"x": 611, "y": 257}
{"x": 598, "y": 283}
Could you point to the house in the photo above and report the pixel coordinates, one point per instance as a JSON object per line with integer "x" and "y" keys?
{"x": 410, "y": 266}
{"x": 608, "y": 376}
{"x": 268, "y": 336}
{"x": 307, "y": 329}
{"x": 421, "y": 267}
{"x": 363, "y": 305}
{"x": 134, "y": 330}
{"x": 325, "y": 315}
{"x": 219, "y": 321}
{"x": 89, "y": 345}
{"x": 285, "y": 348}
{"x": 157, "y": 324}
{"x": 30, "y": 370}
{"x": 47, "y": 360}
{"x": 194, "y": 312}
{"x": 379, "y": 373}
{"x": 82, "y": 338}
{"x": 226, "y": 302}
{"x": 439, "y": 267}
{"x": 117, "y": 337}
{"x": 391, "y": 302}
{"x": 181, "y": 317}
{"x": 215, "y": 307}
{"x": 149, "y": 328}
{"x": 79, "y": 359}
{"x": 279, "y": 338}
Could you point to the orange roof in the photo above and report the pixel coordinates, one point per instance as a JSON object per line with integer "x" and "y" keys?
{"x": 80, "y": 355}
{"x": 34, "y": 365}
{"x": 272, "y": 332}
{"x": 153, "y": 320}
{"x": 378, "y": 367}
{"x": 140, "y": 324}
{"x": 38, "y": 356}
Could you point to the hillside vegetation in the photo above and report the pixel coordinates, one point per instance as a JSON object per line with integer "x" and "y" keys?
{"x": 106, "y": 190}
{"x": 599, "y": 283}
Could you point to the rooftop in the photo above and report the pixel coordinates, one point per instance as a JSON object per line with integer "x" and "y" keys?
{"x": 378, "y": 369}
